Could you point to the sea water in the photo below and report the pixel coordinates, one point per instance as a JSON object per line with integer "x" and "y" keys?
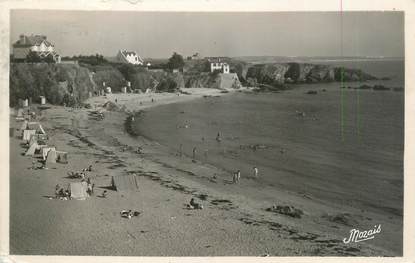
{"x": 339, "y": 144}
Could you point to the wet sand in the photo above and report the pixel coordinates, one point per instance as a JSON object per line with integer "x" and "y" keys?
{"x": 230, "y": 224}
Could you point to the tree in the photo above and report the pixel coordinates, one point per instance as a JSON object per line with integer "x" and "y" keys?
{"x": 175, "y": 61}
{"x": 33, "y": 57}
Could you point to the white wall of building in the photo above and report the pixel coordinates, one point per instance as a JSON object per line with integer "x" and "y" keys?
{"x": 222, "y": 66}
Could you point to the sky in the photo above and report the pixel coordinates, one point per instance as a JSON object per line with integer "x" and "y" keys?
{"x": 158, "y": 34}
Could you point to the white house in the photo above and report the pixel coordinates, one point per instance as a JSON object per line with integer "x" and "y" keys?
{"x": 130, "y": 57}
{"x": 221, "y": 66}
{"x": 34, "y": 43}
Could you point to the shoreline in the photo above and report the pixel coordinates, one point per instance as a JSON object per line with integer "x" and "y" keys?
{"x": 162, "y": 173}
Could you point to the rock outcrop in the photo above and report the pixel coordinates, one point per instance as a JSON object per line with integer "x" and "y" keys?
{"x": 278, "y": 74}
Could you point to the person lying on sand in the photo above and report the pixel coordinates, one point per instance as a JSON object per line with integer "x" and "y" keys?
{"x": 194, "y": 205}
{"x": 139, "y": 150}
{"x": 89, "y": 169}
{"x": 104, "y": 194}
{"x": 129, "y": 214}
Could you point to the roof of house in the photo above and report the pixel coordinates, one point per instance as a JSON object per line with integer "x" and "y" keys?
{"x": 217, "y": 59}
{"x": 126, "y": 53}
{"x": 32, "y": 40}
{"x": 129, "y": 53}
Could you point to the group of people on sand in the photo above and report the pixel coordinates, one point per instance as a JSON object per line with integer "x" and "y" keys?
{"x": 60, "y": 193}
{"x": 237, "y": 175}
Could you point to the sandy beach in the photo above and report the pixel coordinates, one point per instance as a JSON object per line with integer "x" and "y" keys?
{"x": 230, "y": 224}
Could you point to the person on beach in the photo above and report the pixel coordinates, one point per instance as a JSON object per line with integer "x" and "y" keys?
{"x": 181, "y": 150}
{"x": 194, "y": 152}
{"x": 89, "y": 187}
{"x": 57, "y": 190}
{"x": 234, "y": 178}
{"x": 255, "y": 172}
{"x": 238, "y": 176}
{"x": 218, "y": 138}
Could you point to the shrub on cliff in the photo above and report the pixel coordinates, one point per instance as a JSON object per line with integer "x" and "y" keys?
{"x": 93, "y": 60}
{"x": 167, "y": 85}
{"x": 176, "y": 61}
{"x": 110, "y": 75}
{"x": 50, "y": 80}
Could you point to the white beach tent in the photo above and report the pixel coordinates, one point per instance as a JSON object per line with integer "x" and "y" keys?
{"x": 45, "y": 151}
{"x": 61, "y": 157}
{"x": 52, "y": 156}
{"x": 36, "y": 126}
{"x": 33, "y": 139}
{"x": 37, "y": 137}
{"x": 78, "y": 190}
{"x": 24, "y": 125}
{"x": 32, "y": 149}
{"x": 20, "y": 114}
{"x": 27, "y": 134}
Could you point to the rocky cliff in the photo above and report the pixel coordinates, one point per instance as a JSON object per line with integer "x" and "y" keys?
{"x": 277, "y": 74}
{"x": 72, "y": 83}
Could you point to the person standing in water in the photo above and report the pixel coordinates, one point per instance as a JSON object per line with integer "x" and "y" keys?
{"x": 218, "y": 138}
{"x": 255, "y": 172}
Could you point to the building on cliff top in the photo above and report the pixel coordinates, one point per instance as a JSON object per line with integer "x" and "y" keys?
{"x": 130, "y": 57}
{"x": 217, "y": 64}
{"x": 34, "y": 43}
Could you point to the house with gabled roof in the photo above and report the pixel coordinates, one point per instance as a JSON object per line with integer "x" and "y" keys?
{"x": 34, "y": 43}
{"x": 130, "y": 57}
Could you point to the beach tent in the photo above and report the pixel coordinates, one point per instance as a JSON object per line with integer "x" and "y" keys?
{"x": 51, "y": 157}
{"x": 20, "y": 114}
{"x": 36, "y": 126}
{"x": 37, "y": 137}
{"x": 27, "y": 134}
{"x": 32, "y": 149}
{"x": 36, "y": 149}
{"x": 61, "y": 157}
{"x": 79, "y": 190}
{"x": 125, "y": 182}
{"x": 32, "y": 140}
{"x": 24, "y": 125}
{"x": 45, "y": 151}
